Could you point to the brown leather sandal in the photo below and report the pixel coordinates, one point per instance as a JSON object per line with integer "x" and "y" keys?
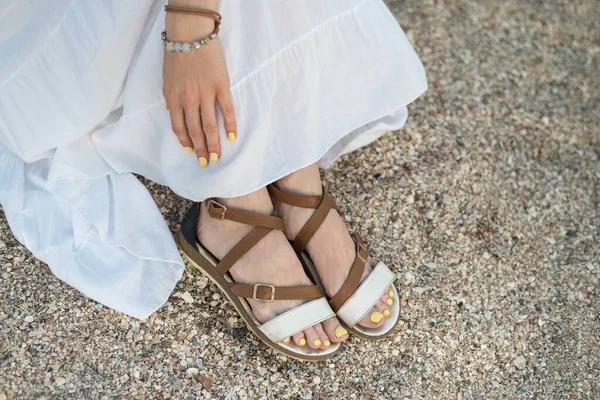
{"x": 279, "y": 328}
{"x": 355, "y": 299}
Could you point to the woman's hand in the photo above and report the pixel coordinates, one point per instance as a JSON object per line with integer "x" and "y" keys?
{"x": 193, "y": 84}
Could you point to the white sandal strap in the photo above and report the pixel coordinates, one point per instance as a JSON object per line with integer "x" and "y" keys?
{"x": 297, "y": 319}
{"x": 366, "y": 295}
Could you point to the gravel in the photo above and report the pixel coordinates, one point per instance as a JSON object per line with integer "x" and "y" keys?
{"x": 485, "y": 206}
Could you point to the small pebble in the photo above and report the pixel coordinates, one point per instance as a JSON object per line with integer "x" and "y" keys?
{"x": 519, "y": 362}
{"x": 187, "y": 297}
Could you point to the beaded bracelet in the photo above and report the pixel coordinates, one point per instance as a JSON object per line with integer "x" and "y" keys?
{"x": 177, "y": 47}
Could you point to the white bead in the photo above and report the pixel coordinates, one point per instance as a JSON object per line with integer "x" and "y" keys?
{"x": 170, "y": 46}
{"x": 178, "y": 47}
{"x": 212, "y": 36}
{"x": 186, "y": 47}
{"x": 197, "y": 45}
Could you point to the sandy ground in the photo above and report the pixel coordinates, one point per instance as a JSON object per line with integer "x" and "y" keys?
{"x": 486, "y": 206}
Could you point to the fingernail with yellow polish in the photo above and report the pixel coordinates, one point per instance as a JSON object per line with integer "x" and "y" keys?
{"x": 302, "y": 342}
{"x": 189, "y": 149}
{"x": 340, "y": 331}
{"x": 327, "y": 343}
{"x": 386, "y": 312}
{"x": 317, "y": 342}
{"x": 391, "y": 293}
{"x": 231, "y": 137}
{"x": 376, "y": 317}
{"x": 389, "y": 302}
{"x": 214, "y": 157}
{"x": 286, "y": 340}
{"x": 166, "y": 106}
{"x": 203, "y": 161}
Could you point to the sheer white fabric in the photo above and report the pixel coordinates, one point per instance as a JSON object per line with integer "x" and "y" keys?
{"x": 81, "y": 109}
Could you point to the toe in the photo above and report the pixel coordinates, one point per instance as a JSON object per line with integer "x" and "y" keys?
{"x": 334, "y": 330}
{"x": 388, "y": 297}
{"x": 374, "y": 319}
{"x": 299, "y": 339}
{"x": 383, "y": 308}
{"x": 325, "y": 342}
{"x": 312, "y": 338}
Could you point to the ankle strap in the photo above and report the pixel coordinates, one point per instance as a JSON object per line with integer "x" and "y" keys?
{"x": 321, "y": 204}
{"x": 218, "y": 211}
{"x": 296, "y": 200}
{"x": 263, "y": 224}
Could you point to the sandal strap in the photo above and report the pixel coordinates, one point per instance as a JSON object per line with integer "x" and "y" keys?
{"x": 241, "y": 248}
{"x": 295, "y": 200}
{"x": 322, "y": 204}
{"x": 353, "y": 279}
{"x": 218, "y": 211}
{"x": 267, "y": 292}
{"x": 366, "y": 295}
{"x": 297, "y": 319}
{"x": 263, "y": 225}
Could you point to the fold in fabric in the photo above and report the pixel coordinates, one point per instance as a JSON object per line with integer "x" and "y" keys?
{"x": 82, "y": 110}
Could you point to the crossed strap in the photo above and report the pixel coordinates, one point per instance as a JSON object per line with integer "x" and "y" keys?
{"x": 263, "y": 224}
{"x": 322, "y": 205}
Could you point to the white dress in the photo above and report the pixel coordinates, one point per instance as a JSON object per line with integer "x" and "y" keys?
{"x": 81, "y": 109}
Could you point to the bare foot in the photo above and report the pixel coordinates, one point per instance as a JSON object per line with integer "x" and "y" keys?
{"x": 331, "y": 248}
{"x": 271, "y": 261}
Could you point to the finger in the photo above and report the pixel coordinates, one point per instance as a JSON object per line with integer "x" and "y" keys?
{"x": 179, "y": 128}
{"x": 211, "y": 129}
{"x": 226, "y": 104}
{"x": 194, "y": 126}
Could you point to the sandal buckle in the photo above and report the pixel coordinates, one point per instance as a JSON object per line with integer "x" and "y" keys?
{"x": 263, "y": 285}
{"x": 213, "y": 204}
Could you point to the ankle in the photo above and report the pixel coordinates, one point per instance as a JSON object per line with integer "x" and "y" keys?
{"x": 257, "y": 202}
{"x": 306, "y": 181}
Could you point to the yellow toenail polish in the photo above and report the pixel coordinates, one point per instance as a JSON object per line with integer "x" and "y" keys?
{"x": 214, "y": 157}
{"x": 203, "y": 161}
{"x": 286, "y": 340}
{"x": 386, "y": 312}
{"x": 302, "y": 342}
{"x": 327, "y": 343}
{"x": 189, "y": 149}
{"x": 389, "y": 302}
{"x": 317, "y": 342}
{"x": 391, "y": 293}
{"x": 340, "y": 331}
{"x": 376, "y": 317}
{"x": 231, "y": 137}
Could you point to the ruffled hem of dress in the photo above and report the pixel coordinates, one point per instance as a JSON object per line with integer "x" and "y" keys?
{"x": 75, "y": 234}
{"x": 367, "y": 34}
